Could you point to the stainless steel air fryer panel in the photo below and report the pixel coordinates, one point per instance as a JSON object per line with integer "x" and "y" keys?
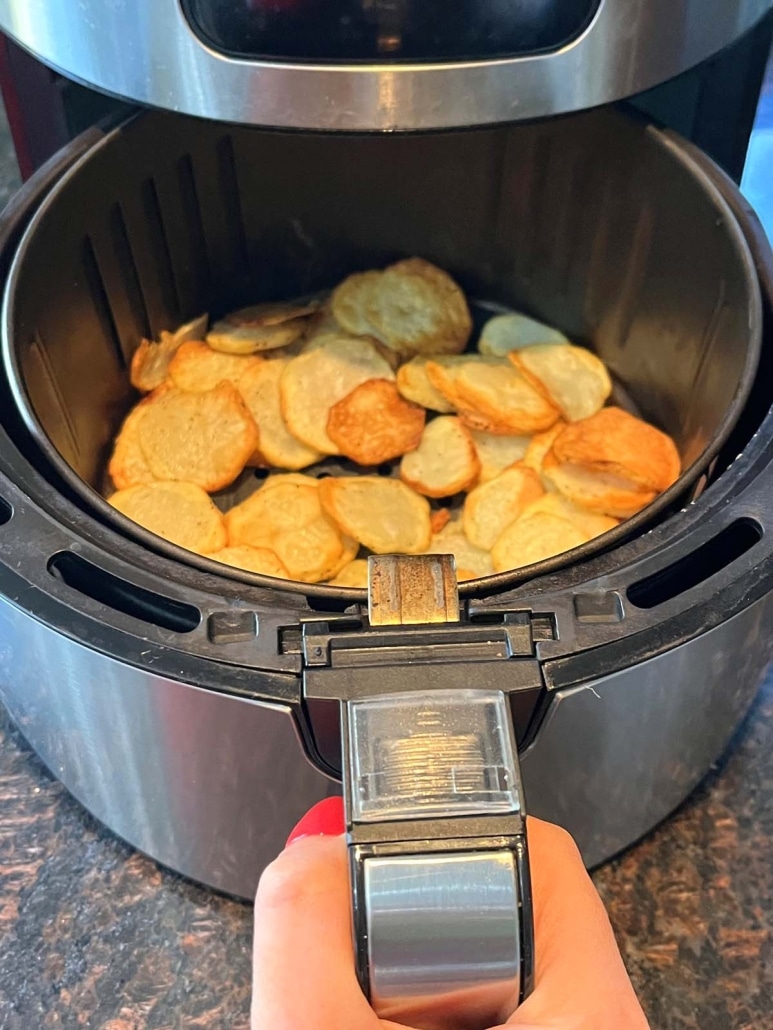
{"x": 147, "y": 50}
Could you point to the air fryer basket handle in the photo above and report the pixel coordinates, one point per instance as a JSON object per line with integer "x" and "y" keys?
{"x": 436, "y": 826}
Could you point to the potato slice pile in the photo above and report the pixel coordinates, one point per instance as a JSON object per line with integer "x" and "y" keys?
{"x": 502, "y": 456}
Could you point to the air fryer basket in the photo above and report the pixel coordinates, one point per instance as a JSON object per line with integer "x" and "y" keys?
{"x": 598, "y": 224}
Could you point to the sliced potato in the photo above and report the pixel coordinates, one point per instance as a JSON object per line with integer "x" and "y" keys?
{"x": 496, "y": 453}
{"x": 384, "y": 515}
{"x": 259, "y": 387}
{"x": 349, "y": 302}
{"x": 471, "y": 562}
{"x": 261, "y": 327}
{"x": 317, "y": 379}
{"x": 252, "y": 559}
{"x": 491, "y": 507}
{"x": 540, "y": 446}
{"x": 573, "y": 379}
{"x": 586, "y": 521}
{"x": 445, "y": 462}
{"x": 202, "y": 438}
{"x": 496, "y": 390}
{"x": 602, "y": 492}
{"x": 196, "y": 367}
{"x": 373, "y": 423}
{"x": 439, "y": 519}
{"x": 150, "y": 363}
{"x": 355, "y": 574}
{"x": 615, "y": 442}
{"x": 503, "y": 334}
{"x": 314, "y": 552}
{"x": 535, "y": 538}
{"x": 414, "y": 384}
{"x": 128, "y": 465}
{"x": 179, "y": 512}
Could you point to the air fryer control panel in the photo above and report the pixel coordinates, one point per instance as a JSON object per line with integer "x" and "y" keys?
{"x": 412, "y": 30}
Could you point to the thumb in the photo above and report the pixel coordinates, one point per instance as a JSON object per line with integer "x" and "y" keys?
{"x": 303, "y": 957}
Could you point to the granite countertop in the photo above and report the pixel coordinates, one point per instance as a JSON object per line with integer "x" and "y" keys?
{"x": 93, "y": 935}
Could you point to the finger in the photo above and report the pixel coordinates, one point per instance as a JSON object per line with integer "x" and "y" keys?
{"x": 303, "y": 959}
{"x": 581, "y": 981}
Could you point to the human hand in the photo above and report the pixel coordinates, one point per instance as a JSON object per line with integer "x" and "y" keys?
{"x": 303, "y": 959}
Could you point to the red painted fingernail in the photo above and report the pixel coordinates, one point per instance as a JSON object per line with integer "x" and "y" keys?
{"x": 325, "y": 819}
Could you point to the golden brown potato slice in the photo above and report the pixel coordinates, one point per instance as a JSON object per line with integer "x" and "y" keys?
{"x": 196, "y": 367}
{"x": 503, "y": 334}
{"x": 252, "y": 559}
{"x": 179, "y": 512}
{"x": 439, "y": 519}
{"x": 496, "y": 390}
{"x": 535, "y": 538}
{"x": 355, "y": 574}
{"x": 317, "y": 379}
{"x": 615, "y": 442}
{"x": 385, "y": 515}
{"x": 259, "y": 387}
{"x": 445, "y": 462}
{"x": 496, "y": 453}
{"x": 128, "y": 465}
{"x": 471, "y": 562}
{"x": 373, "y": 423}
{"x": 602, "y": 492}
{"x": 573, "y": 379}
{"x": 491, "y": 507}
{"x": 412, "y": 307}
{"x": 150, "y": 363}
{"x": 587, "y": 522}
{"x": 540, "y": 446}
{"x": 261, "y": 327}
{"x": 203, "y": 438}
{"x": 414, "y": 384}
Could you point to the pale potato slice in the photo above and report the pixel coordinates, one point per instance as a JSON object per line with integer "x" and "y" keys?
{"x": 128, "y": 465}
{"x": 252, "y": 559}
{"x": 261, "y": 327}
{"x": 496, "y": 390}
{"x": 573, "y": 379}
{"x": 505, "y": 333}
{"x": 150, "y": 362}
{"x": 355, "y": 574}
{"x": 203, "y": 438}
{"x": 445, "y": 462}
{"x": 615, "y": 442}
{"x": 414, "y": 384}
{"x": 535, "y": 538}
{"x": 373, "y": 423}
{"x": 317, "y": 379}
{"x": 259, "y": 387}
{"x": 385, "y": 515}
{"x": 196, "y": 367}
{"x": 491, "y": 507}
{"x": 179, "y": 512}
{"x": 471, "y": 560}
{"x": 496, "y": 453}
{"x": 540, "y": 445}
{"x": 586, "y": 521}
{"x": 602, "y": 492}
{"x": 349, "y": 302}
{"x": 283, "y": 504}
{"x": 314, "y": 552}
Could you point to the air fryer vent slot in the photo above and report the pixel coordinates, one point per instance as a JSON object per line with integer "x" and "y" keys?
{"x": 695, "y": 568}
{"x": 105, "y": 588}
{"x": 6, "y": 512}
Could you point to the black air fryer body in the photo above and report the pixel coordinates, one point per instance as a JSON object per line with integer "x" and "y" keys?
{"x": 174, "y": 698}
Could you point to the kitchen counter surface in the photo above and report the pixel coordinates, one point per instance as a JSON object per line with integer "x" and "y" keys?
{"x": 93, "y": 935}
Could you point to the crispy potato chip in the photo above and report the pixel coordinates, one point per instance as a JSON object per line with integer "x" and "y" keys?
{"x": 385, "y": 515}
{"x": 355, "y": 574}
{"x": 128, "y": 465}
{"x": 373, "y": 423}
{"x": 439, "y": 519}
{"x": 496, "y": 453}
{"x": 179, "y": 512}
{"x": 203, "y": 438}
{"x": 414, "y": 384}
{"x": 491, "y": 507}
{"x": 618, "y": 443}
{"x": 505, "y": 333}
{"x": 262, "y": 327}
{"x": 150, "y": 363}
{"x": 445, "y": 462}
{"x": 540, "y": 446}
{"x": 317, "y": 379}
{"x": 314, "y": 552}
{"x": 259, "y": 387}
{"x": 587, "y": 522}
{"x": 496, "y": 390}
{"x": 252, "y": 559}
{"x": 471, "y": 560}
{"x": 412, "y": 307}
{"x": 196, "y": 367}
{"x": 573, "y": 379}
{"x": 535, "y": 538}
{"x": 272, "y": 313}
{"x": 603, "y": 492}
